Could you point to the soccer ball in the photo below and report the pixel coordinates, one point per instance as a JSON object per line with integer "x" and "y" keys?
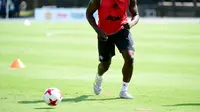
{"x": 52, "y": 96}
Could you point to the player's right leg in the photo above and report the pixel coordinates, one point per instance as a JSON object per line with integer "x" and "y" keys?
{"x": 102, "y": 68}
{"x": 106, "y": 50}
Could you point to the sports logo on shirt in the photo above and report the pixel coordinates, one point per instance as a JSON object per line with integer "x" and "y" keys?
{"x": 113, "y": 18}
{"x": 115, "y": 6}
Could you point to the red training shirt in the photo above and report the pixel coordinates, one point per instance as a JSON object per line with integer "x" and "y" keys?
{"x": 112, "y": 14}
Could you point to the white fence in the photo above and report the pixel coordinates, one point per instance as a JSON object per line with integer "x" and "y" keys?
{"x": 61, "y": 14}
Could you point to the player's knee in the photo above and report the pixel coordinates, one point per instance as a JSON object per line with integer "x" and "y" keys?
{"x": 129, "y": 60}
{"x": 105, "y": 65}
{"x": 128, "y": 57}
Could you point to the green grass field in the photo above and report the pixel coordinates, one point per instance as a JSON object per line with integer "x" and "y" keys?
{"x": 64, "y": 55}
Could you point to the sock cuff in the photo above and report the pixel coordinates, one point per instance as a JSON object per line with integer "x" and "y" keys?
{"x": 124, "y": 86}
{"x": 99, "y": 77}
{"x": 125, "y": 83}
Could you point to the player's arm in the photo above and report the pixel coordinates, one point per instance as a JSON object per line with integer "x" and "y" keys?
{"x": 92, "y": 7}
{"x": 134, "y": 14}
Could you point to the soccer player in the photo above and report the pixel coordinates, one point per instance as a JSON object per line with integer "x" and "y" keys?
{"x": 113, "y": 29}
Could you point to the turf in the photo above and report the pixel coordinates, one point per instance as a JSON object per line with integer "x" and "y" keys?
{"x": 64, "y": 55}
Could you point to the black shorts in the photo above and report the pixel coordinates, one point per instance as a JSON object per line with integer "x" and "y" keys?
{"x": 122, "y": 39}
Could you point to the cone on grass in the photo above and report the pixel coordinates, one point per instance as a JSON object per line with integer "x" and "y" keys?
{"x": 17, "y": 64}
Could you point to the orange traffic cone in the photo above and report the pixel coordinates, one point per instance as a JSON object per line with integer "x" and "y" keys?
{"x": 17, "y": 64}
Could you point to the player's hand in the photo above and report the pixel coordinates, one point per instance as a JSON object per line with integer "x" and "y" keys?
{"x": 102, "y": 36}
{"x": 127, "y": 25}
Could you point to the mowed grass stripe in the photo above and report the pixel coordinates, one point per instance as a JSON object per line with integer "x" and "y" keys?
{"x": 166, "y": 68}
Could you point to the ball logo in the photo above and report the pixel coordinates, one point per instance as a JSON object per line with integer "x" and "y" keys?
{"x": 48, "y": 15}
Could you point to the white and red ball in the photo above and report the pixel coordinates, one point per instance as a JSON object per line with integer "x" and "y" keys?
{"x": 52, "y": 96}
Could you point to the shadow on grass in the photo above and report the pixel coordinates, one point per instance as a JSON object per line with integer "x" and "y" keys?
{"x": 45, "y": 108}
{"x": 76, "y": 99}
{"x": 185, "y": 104}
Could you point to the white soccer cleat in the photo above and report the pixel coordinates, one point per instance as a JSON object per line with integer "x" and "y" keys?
{"x": 97, "y": 85}
{"x": 125, "y": 95}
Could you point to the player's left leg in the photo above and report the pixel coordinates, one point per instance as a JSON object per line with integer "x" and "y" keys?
{"x": 125, "y": 44}
{"x": 127, "y": 71}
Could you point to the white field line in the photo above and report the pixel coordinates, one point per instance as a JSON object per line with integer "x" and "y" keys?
{"x": 167, "y": 20}
{"x": 117, "y": 75}
{"x": 51, "y": 33}
{"x": 142, "y": 19}
{"x": 167, "y": 36}
{"x": 144, "y": 36}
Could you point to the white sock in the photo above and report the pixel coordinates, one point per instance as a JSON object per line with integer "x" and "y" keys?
{"x": 124, "y": 86}
{"x": 99, "y": 77}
